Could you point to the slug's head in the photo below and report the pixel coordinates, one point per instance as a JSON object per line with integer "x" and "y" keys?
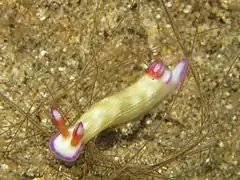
{"x": 179, "y": 72}
{"x": 68, "y": 143}
{"x": 156, "y": 69}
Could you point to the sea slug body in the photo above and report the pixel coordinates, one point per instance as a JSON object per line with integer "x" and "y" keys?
{"x": 128, "y": 104}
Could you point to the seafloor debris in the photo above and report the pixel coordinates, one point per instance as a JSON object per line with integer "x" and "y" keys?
{"x": 73, "y": 53}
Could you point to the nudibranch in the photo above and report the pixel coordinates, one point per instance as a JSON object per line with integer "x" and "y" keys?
{"x": 126, "y": 105}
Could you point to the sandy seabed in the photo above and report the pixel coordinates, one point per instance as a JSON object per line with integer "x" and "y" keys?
{"x": 73, "y": 53}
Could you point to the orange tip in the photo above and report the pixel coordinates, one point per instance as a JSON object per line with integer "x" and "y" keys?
{"x": 59, "y": 122}
{"x": 77, "y": 134}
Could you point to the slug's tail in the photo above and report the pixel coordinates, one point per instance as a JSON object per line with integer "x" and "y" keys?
{"x": 178, "y": 73}
{"x": 77, "y": 134}
{"x": 68, "y": 143}
{"x": 59, "y": 122}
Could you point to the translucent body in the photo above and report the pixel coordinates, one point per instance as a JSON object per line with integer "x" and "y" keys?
{"x": 121, "y": 107}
